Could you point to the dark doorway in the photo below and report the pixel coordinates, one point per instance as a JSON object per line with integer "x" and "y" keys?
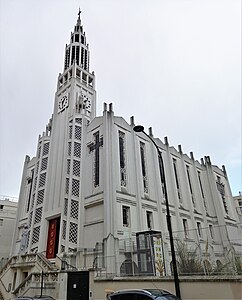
{"x": 78, "y": 285}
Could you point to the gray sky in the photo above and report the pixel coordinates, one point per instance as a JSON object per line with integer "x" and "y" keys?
{"x": 173, "y": 64}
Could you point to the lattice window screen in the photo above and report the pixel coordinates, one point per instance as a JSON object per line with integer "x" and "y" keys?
{"x": 32, "y": 202}
{"x": 69, "y": 148}
{"x": 62, "y": 249}
{"x": 46, "y": 148}
{"x": 65, "y": 207}
{"x": 67, "y": 185}
{"x": 78, "y": 132}
{"x": 77, "y": 149}
{"x": 76, "y": 167}
{"x": 73, "y": 233}
{"x": 68, "y": 166}
{"x": 37, "y": 168}
{"x": 38, "y": 215}
{"x": 74, "y": 209}
{"x": 44, "y": 164}
{"x": 40, "y": 197}
{"x": 79, "y": 121}
{"x": 70, "y": 132}
{"x": 75, "y": 187}
{"x": 39, "y": 151}
{"x": 42, "y": 179}
{"x": 35, "y": 183}
{"x": 35, "y": 237}
{"x": 30, "y": 219}
{"x": 64, "y": 230}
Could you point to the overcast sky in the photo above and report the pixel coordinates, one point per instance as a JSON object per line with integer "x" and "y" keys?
{"x": 172, "y": 64}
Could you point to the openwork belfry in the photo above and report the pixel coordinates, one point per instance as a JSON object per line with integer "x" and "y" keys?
{"x": 92, "y": 196}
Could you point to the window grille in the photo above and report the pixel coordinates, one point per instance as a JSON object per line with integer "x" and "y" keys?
{"x": 78, "y": 132}
{"x": 37, "y": 168}
{"x": 70, "y": 131}
{"x": 38, "y": 215}
{"x": 126, "y": 216}
{"x": 78, "y": 121}
{"x": 35, "y": 183}
{"x": 44, "y": 164}
{"x": 39, "y": 151}
{"x": 40, "y": 197}
{"x": 32, "y": 202}
{"x": 122, "y": 161}
{"x": 68, "y": 166}
{"x": 42, "y": 179}
{"x": 46, "y": 148}
{"x": 30, "y": 219}
{"x": 65, "y": 206}
{"x": 67, "y": 186}
{"x": 69, "y": 148}
{"x": 64, "y": 230}
{"x": 35, "y": 237}
{"x": 77, "y": 149}
{"x": 62, "y": 249}
{"x": 74, "y": 209}
{"x": 75, "y": 187}
{"x": 76, "y": 167}
{"x": 73, "y": 233}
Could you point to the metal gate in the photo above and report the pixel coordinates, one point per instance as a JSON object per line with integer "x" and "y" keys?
{"x": 78, "y": 285}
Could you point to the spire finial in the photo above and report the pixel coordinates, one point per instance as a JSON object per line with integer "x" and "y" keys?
{"x": 79, "y": 13}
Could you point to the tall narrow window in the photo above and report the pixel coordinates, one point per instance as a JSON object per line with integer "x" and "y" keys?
{"x": 98, "y": 142}
{"x": 190, "y": 184}
{"x": 126, "y": 216}
{"x": 149, "y": 218}
{"x": 211, "y": 231}
{"x": 185, "y": 227}
{"x": 143, "y": 167}
{"x": 199, "y": 230}
{"x": 122, "y": 159}
{"x": 176, "y": 178}
{"x": 221, "y": 189}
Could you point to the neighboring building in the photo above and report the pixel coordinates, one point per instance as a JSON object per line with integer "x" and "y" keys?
{"x": 238, "y": 205}
{"x": 92, "y": 196}
{"x": 8, "y": 211}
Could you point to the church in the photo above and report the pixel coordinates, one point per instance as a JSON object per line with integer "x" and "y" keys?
{"x": 96, "y": 193}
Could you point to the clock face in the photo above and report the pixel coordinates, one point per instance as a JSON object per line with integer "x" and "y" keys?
{"x": 62, "y": 104}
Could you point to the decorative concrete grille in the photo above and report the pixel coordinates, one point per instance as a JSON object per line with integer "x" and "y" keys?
{"x": 62, "y": 249}
{"x": 76, "y": 167}
{"x": 37, "y": 167}
{"x": 78, "y": 132}
{"x": 44, "y": 164}
{"x": 78, "y": 121}
{"x": 35, "y": 183}
{"x": 69, "y": 148}
{"x": 68, "y": 166}
{"x": 35, "y": 237}
{"x": 46, "y": 148}
{"x": 65, "y": 207}
{"x": 64, "y": 230}
{"x": 70, "y": 132}
{"x": 38, "y": 215}
{"x": 75, "y": 187}
{"x": 77, "y": 149}
{"x": 42, "y": 179}
{"x": 73, "y": 233}
{"x": 40, "y": 197}
{"x": 32, "y": 202}
{"x": 74, "y": 209}
{"x": 39, "y": 150}
{"x": 30, "y": 219}
{"x": 67, "y": 185}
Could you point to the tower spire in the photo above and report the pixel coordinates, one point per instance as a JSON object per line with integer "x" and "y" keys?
{"x": 79, "y": 18}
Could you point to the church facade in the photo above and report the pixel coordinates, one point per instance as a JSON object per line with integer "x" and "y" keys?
{"x": 93, "y": 195}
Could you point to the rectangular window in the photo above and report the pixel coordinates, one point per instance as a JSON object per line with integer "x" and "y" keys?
{"x": 185, "y": 227}
{"x": 190, "y": 184}
{"x": 149, "y": 218}
{"x": 126, "y": 216}
{"x": 176, "y": 178}
{"x": 122, "y": 158}
{"x": 200, "y": 183}
{"x": 1, "y": 207}
{"x": 211, "y": 231}
{"x": 143, "y": 167}
{"x": 199, "y": 230}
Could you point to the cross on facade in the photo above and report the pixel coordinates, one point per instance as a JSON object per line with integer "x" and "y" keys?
{"x": 95, "y": 147}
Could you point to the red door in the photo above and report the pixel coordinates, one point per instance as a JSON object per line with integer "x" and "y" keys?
{"x": 53, "y": 238}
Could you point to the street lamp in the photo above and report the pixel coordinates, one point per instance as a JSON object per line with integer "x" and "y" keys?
{"x": 140, "y": 128}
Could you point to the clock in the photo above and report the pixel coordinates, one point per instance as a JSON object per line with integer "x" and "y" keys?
{"x": 87, "y": 103}
{"x": 62, "y": 104}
